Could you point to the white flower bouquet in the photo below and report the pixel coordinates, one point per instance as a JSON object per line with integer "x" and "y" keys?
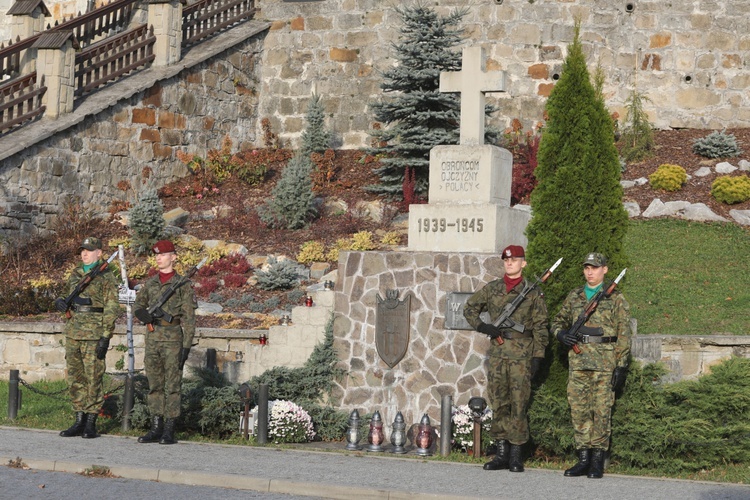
{"x": 288, "y": 423}
{"x": 463, "y": 426}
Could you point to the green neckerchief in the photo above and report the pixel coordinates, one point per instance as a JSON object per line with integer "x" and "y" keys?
{"x": 590, "y": 292}
{"x": 89, "y": 267}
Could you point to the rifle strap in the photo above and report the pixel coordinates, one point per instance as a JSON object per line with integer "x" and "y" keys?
{"x": 510, "y": 335}
{"x": 87, "y": 309}
{"x": 161, "y": 322}
{"x": 592, "y": 339}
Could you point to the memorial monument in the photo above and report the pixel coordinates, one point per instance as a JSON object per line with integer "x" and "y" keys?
{"x": 404, "y": 352}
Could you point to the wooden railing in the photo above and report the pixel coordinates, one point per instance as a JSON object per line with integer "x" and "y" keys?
{"x": 206, "y": 17}
{"x": 86, "y": 27}
{"x": 113, "y": 57}
{"x": 20, "y": 101}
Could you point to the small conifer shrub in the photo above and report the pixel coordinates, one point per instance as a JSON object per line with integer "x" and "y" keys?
{"x": 731, "y": 190}
{"x": 146, "y": 221}
{"x": 315, "y": 138}
{"x": 311, "y": 251}
{"x": 717, "y": 145}
{"x": 291, "y": 203}
{"x": 668, "y": 177}
{"x": 280, "y": 275}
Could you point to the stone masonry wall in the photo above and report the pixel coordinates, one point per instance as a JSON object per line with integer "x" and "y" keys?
{"x": 692, "y": 58}
{"x": 440, "y": 361}
{"x": 192, "y": 112}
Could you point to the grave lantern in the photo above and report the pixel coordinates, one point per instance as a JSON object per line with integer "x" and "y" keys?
{"x": 398, "y": 436}
{"x": 376, "y": 436}
{"x": 353, "y": 435}
{"x": 424, "y": 437}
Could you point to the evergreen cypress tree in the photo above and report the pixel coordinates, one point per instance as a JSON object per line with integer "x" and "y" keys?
{"x": 291, "y": 202}
{"x": 315, "y": 138}
{"x": 577, "y": 204}
{"x": 418, "y": 116}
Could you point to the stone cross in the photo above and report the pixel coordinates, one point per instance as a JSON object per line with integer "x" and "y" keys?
{"x": 472, "y": 82}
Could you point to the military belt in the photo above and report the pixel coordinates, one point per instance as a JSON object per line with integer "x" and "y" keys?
{"x": 511, "y": 334}
{"x": 592, "y": 339}
{"x": 161, "y": 322}
{"x": 87, "y": 309}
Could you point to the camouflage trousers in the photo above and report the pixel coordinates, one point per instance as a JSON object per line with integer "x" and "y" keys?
{"x": 509, "y": 390}
{"x": 591, "y": 398}
{"x": 85, "y": 375}
{"x": 162, "y": 362}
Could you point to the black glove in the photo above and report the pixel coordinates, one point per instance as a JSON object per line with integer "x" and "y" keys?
{"x": 536, "y": 363}
{"x": 618, "y": 378}
{"x": 101, "y": 348}
{"x": 60, "y": 305}
{"x": 491, "y": 331}
{"x": 566, "y": 339}
{"x": 184, "y": 353}
{"x": 143, "y": 316}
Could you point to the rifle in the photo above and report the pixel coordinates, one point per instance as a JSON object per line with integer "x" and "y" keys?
{"x": 591, "y": 307}
{"x": 63, "y": 305}
{"x": 504, "y": 321}
{"x": 156, "y": 311}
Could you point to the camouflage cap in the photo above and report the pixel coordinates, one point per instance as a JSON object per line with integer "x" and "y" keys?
{"x": 91, "y": 243}
{"x": 595, "y": 259}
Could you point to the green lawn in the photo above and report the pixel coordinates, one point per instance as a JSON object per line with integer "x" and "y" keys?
{"x": 688, "y": 278}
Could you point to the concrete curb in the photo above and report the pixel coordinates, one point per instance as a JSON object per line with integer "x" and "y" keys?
{"x": 233, "y": 481}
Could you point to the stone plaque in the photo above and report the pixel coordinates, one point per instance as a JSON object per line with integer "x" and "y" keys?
{"x": 454, "y": 311}
{"x": 392, "y": 325}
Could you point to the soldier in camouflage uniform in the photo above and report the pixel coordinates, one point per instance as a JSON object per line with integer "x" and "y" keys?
{"x": 513, "y": 364}
{"x": 168, "y": 345}
{"x": 87, "y": 333}
{"x": 599, "y": 370}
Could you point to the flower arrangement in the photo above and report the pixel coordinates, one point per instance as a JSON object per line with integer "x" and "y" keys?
{"x": 288, "y": 423}
{"x": 463, "y": 426}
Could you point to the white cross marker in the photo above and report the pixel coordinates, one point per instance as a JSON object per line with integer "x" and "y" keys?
{"x": 472, "y": 82}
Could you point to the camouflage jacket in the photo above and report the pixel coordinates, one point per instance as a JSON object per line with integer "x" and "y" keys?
{"x": 532, "y": 313}
{"x": 612, "y": 315}
{"x": 181, "y": 305}
{"x": 103, "y": 294}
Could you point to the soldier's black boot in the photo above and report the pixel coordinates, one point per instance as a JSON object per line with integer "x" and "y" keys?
{"x": 154, "y": 435}
{"x": 168, "y": 436}
{"x": 582, "y": 467}
{"x": 77, "y": 428}
{"x": 596, "y": 470}
{"x": 501, "y": 457}
{"x": 89, "y": 431}
{"x": 516, "y": 458}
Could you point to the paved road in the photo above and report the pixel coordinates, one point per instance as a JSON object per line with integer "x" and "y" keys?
{"x": 321, "y": 474}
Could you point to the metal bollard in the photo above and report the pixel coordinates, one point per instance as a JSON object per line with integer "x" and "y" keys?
{"x": 446, "y": 429}
{"x": 262, "y": 436}
{"x": 128, "y": 397}
{"x": 13, "y": 395}
{"x": 211, "y": 359}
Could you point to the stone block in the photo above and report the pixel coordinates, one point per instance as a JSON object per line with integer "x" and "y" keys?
{"x": 146, "y": 116}
{"x": 478, "y": 227}
{"x": 460, "y": 174}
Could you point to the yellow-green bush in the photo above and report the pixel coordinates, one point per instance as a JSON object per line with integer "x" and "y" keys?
{"x": 391, "y": 238}
{"x": 668, "y": 177}
{"x": 362, "y": 241}
{"x": 311, "y": 251}
{"x": 731, "y": 190}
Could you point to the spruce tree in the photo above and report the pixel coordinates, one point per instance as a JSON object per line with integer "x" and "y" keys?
{"x": 418, "y": 116}
{"x": 291, "y": 203}
{"x": 577, "y": 204}
{"x": 315, "y": 138}
{"x": 146, "y": 221}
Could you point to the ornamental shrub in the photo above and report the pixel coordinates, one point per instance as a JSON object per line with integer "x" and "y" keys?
{"x": 315, "y": 138}
{"x": 291, "y": 203}
{"x": 311, "y": 251}
{"x": 146, "y": 221}
{"x": 280, "y": 275}
{"x": 235, "y": 280}
{"x": 288, "y": 423}
{"x": 717, "y": 145}
{"x": 731, "y": 190}
{"x": 668, "y": 177}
